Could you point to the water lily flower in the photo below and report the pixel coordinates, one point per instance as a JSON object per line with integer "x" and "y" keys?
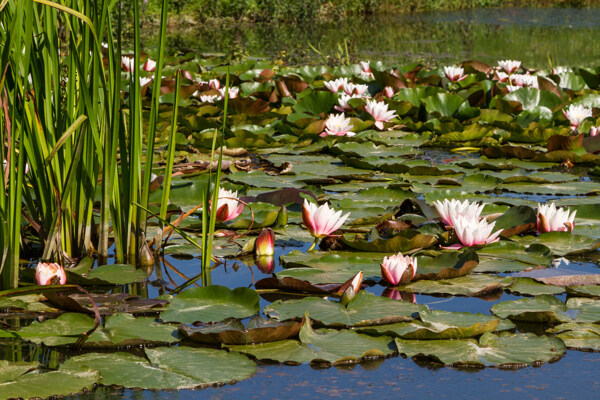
{"x": 560, "y": 70}
{"x": 50, "y": 273}
{"x": 265, "y": 243}
{"x": 512, "y": 88}
{"x": 214, "y": 84}
{"x": 343, "y": 102}
{"x": 594, "y": 130}
{"x": 553, "y": 219}
{"x": 509, "y": 66}
{"x": 233, "y": 92}
{"x": 525, "y": 80}
{"x": 228, "y": 205}
{"x": 335, "y": 85}
{"x": 338, "y": 125}
{"x": 474, "y": 231}
{"x": 144, "y": 80}
{"x": 187, "y": 75}
{"x": 398, "y": 269}
{"x": 576, "y": 114}
{"x": 366, "y": 70}
{"x": 379, "y": 111}
{"x": 209, "y": 98}
{"x": 454, "y": 74}
{"x": 502, "y": 76}
{"x": 450, "y": 209}
{"x": 321, "y": 221}
{"x": 353, "y": 288}
{"x": 351, "y": 89}
{"x": 149, "y": 65}
{"x": 388, "y": 91}
{"x": 127, "y": 63}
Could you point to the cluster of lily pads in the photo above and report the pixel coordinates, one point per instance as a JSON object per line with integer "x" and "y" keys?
{"x": 431, "y": 182}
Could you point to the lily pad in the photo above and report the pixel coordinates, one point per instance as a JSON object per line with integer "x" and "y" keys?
{"x": 584, "y": 291}
{"x": 504, "y": 350}
{"x": 471, "y": 285}
{"x": 364, "y": 309}
{"x": 578, "y": 336}
{"x": 211, "y": 303}
{"x": 544, "y": 308}
{"x": 167, "y": 368}
{"x": 530, "y": 287}
{"x": 584, "y": 309}
{"x": 447, "y": 265}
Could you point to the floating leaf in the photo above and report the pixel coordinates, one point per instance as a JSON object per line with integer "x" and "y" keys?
{"x": 544, "y": 308}
{"x": 578, "y": 336}
{"x": 447, "y": 265}
{"x": 211, "y": 303}
{"x": 529, "y": 287}
{"x": 471, "y": 285}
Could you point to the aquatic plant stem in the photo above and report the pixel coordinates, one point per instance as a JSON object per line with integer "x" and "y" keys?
{"x": 312, "y": 246}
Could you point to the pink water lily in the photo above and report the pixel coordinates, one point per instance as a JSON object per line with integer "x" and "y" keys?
{"x": 594, "y": 130}
{"x": 366, "y": 70}
{"x": 149, "y": 65}
{"x": 233, "y": 92}
{"x": 379, "y": 111}
{"x": 509, "y": 66}
{"x": 321, "y": 221}
{"x": 525, "y": 80}
{"x": 454, "y": 74}
{"x": 265, "y": 243}
{"x": 474, "y": 231}
{"x": 398, "y": 269}
{"x": 502, "y": 76}
{"x": 576, "y": 114}
{"x": 228, "y": 205}
{"x": 343, "y": 102}
{"x": 553, "y": 219}
{"x": 214, "y": 84}
{"x": 512, "y": 88}
{"x": 127, "y": 63}
{"x": 450, "y": 209}
{"x": 50, "y": 274}
{"x": 338, "y": 125}
{"x": 388, "y": 91}
{"x": 209, "y": 98}
{"x": 352, "y": 89}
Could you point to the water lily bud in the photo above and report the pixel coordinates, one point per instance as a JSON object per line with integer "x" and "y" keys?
{"x": 149, "y": 65}
{"x": 282, "y": 216}
{"x": 398, "y": 269}
{"x": 50, "y": 274}
{"x": 266, "y": 264}
{"x": 388, "y": 91}
{"x": 265, "y": 243}
{"x": 352, "y": 289}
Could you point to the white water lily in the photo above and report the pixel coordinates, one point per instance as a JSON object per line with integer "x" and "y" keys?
{"x": 144, "y": 80}
{"x": 127, "y": 63}
{"x": 553, "y": 219}
{"x": 228, "y": 205}
{"x": 509, "y": 66}
{"x": 336, "y": 85}
{"x": 321, "y": 221}
{"x": 594, "y": 130}
{"x": 214, "y": 84}
{"x": 512, "y": 88}
{"x": 210, "y": 98}
{"x": 149, "y": 65}
{"x": 524, "y": 80}
{"x": 366, "y": 70}
{"x": 379, "y": 111}
{"x": 450, "y": 209}
{"x": 474, "y": 231}
{"x": 454, "y": 74}
{"x": 343, "y": 102}
{"x": 352, "y": 89}
{"x": 576, "y": 114}
{"x": 233, "y": 92}
{"x": 398, "y": 269}
{"x": 502, "y": 76}
{"x": 338, "y": 125}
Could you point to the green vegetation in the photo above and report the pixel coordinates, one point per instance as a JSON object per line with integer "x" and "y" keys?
{"x": 292, "y": 10}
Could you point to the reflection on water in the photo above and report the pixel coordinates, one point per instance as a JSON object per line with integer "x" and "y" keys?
{"x": 538, "y": 37}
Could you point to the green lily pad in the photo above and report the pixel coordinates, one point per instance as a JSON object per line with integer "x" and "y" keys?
{"x": 167, "y": 368}
{"x": 530, "y": 287}
{"x": 447, "y": 265}
{"x": 470, "y": 285}
{"x": 63, "y": 382}
{"x": 585, "y": 310}
{"x": 403, "y": 242}
{"x": 563, "y": 243}
{"x": 284, "y": 351}
{"x": 436, "y": 324}
{"x": 578, "y": 336}
{"x": 211, "y": 303}
{"x": 544, "y": 308}
{"x": 364, "y": 309}
{"x": 505, "y": 349}
{"x": 116, "y": 274}
{"x": 584, "y": 291}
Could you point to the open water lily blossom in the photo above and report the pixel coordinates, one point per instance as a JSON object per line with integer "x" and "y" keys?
{"x": 576, "y": 114}
{"x": 336, "y": 85}
{"x": 553, "y": 219}
{"x": 398, "y": 269}
{"x": 379, "y": 111}
{"x": 149, "y": 65}
{"x": 454, "y": 74}
{"x": 474, "y": 231}
{"x": 450, "y": 209}
{"x": 343, "y": 102}
{"x": 338, "y": 125}
{"x": 49, "y": 274}
{"x": 228, "y": 205}
{"x": 233, "y": 92}
{"x": 509, "y": 66}
{"x": 366, "y": 70}
{"x": 352, "y": 89}
{"x": 321, "y": 221}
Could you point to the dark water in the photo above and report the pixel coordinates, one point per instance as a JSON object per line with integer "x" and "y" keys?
{"x": 538, "y": 37}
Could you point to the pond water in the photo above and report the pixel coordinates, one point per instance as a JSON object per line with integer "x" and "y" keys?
{"x": 538, "y": 37}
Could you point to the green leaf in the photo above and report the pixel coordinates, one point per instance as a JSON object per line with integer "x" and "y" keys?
{"x": 443, "y": 103}
{"x": 211, "y": 303}
{"x": 167, "y": 368}
{"x": 544, "y": 308}
{"x": 470, "y": 285}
